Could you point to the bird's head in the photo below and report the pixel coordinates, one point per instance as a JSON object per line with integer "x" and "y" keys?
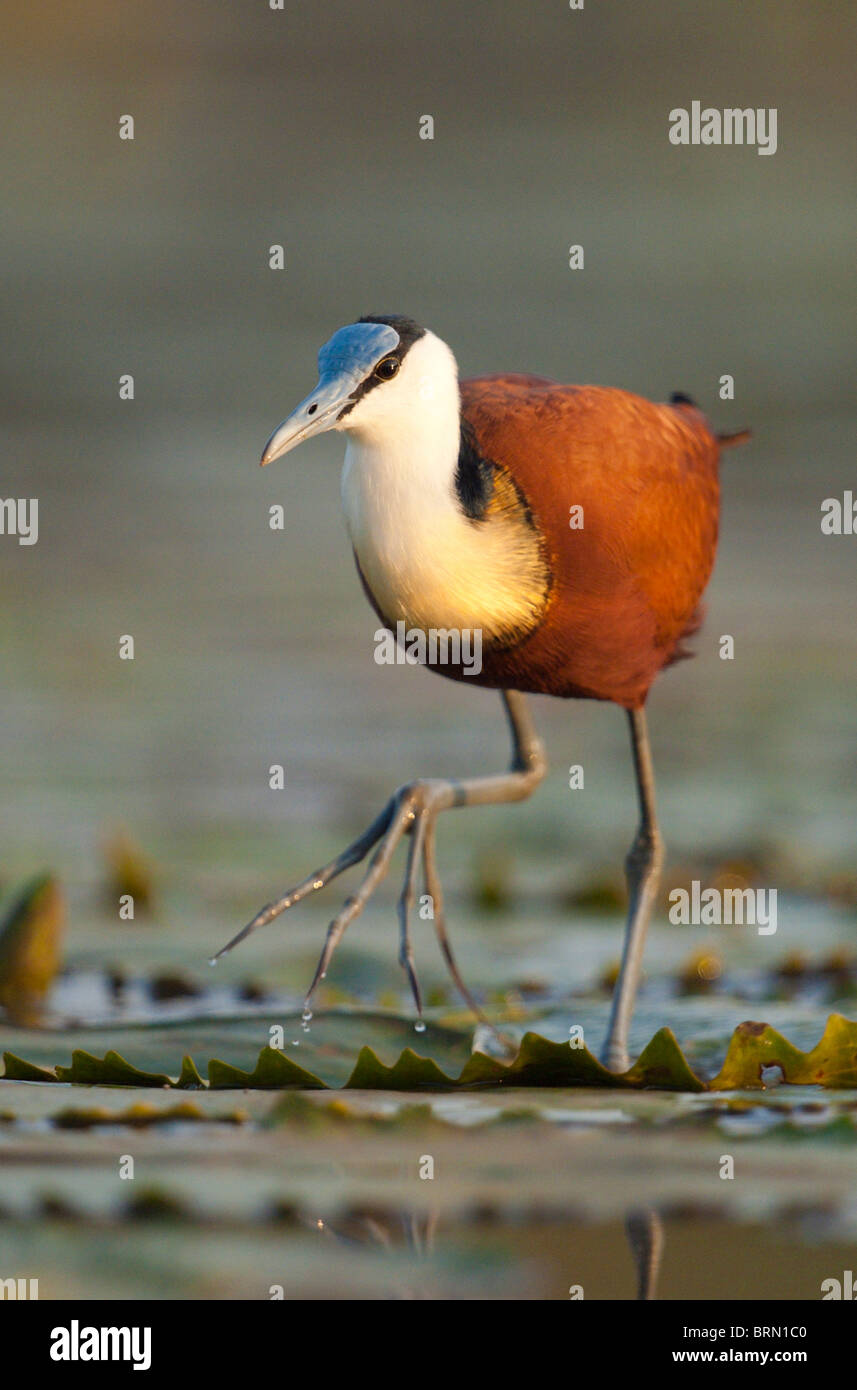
{"x": 377, "y": 377}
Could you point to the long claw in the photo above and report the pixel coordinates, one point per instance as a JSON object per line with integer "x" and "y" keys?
{"x": 378, "y": 866}
{"x": 351, "y": 855}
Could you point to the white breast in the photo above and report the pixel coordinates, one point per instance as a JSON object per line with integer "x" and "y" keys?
{"x": 425, "y": 562}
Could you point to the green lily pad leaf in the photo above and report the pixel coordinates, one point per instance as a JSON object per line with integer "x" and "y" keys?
{"x": 663, "y": 1065}
{"x": 833, "y": 1060}
{"x": 482, "y": 1070}
{"x": 408, "y": 1073}
{"x": 543, "y": 1063}
{"x": 539, "y": 1062}
{"x": 16, "y": 1069}
{"x": 272, "y": 1072}
{"x": 190, "y": 1079}
{"x": 754, "y": 1046}
{"x": 111, "y": 1070}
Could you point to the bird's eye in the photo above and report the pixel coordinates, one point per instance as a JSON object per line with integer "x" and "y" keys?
{"x": 387, "y": 368}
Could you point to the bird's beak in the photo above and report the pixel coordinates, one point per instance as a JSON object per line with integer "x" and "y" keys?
{"x": 314, "y": 415}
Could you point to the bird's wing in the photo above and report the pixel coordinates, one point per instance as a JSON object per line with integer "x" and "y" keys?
{"x": 646, "y": 478}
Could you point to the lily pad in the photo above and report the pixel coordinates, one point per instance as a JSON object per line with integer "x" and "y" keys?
{"x": 189, "y": 1077}
{"x": 16, "y": 1069}
{"x": 111, "y": 1070}
{"x": 408, "y": 1073}
{"x": 539, "y": 1062}
{"x": 755, "y": 1046}
{"x": 663, "y": 1065}
{"x": 272, "y": 1072}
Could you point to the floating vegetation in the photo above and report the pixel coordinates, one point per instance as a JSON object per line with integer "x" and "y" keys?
{"x": 155, "y": 1204}
{"x": 600, "y": 895}
{"x": 700, "y": 974}
{"x": 167, "y": 987}
{"x": 143, "y": 1116}
{"x": 492, "y": 890}
{"x": 128, "y": 875}
{"x": 31, "y": 932}
{"x": 757, "y": 1056}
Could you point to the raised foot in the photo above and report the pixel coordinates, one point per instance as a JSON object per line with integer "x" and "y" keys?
{"x": 412, "y": 810}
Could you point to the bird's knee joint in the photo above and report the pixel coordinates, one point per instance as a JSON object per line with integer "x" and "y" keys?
{"x": 646, "y": 855}
{"x": 413, "y": 798}
{"x": 532, "y": 760}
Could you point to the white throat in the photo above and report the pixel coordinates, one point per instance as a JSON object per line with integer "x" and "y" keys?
{"x": 425, "y": 561}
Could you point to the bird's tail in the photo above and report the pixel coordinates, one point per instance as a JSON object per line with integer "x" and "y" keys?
{"x": 725, "y": 441}
{"x": 739, "y": 437}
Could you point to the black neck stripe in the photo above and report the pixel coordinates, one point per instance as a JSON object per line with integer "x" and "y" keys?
{"x": 474, "y": 476}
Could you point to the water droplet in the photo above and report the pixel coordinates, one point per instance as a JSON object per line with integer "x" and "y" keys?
{"x": 296, "y": 1042}
{"x": 419, "y": 1026}
{"x": 323, "y": 975}
{"x": 306, "y": 1015}
{"x": 320, "y": 1224}
{"x": 319, "y": 883}
{"x": 212, "y": 960}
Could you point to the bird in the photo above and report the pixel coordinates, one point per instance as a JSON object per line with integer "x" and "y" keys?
{"x": 573, "y": 528}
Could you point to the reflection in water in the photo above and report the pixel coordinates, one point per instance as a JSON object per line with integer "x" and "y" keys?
{"x": 414, "y": 1233}
{"x": 391, "y": 1232}
{"x": 388, "y": 1229}
{"x": 646, "y": 1238}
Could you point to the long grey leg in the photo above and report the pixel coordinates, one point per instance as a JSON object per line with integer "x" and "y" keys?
{"x": 406, "y": 902}
{"x": 529, "y": 766}
{"x": 643, "y": 870}
{"x": 414, "y": 808}
{"x": 423, "y": 801}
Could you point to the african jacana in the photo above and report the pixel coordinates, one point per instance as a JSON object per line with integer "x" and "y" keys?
{"x": 458, "y": 502}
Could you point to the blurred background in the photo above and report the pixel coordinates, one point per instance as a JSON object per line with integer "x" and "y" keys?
{"x": 300, "y": 127}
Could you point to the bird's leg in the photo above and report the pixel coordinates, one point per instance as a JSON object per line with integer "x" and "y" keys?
{"x": 435, "y": 892}
{"x": 643, "y": 870}
{"x": 414, "y": 808}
